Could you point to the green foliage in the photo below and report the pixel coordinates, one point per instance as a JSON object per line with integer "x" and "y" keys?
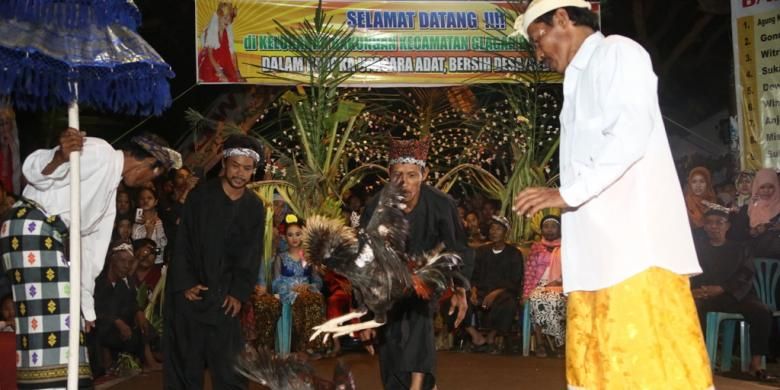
{"x": 313, "y": 153}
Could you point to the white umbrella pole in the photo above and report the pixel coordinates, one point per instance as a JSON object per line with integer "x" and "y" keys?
{"x": 75, "y": 254}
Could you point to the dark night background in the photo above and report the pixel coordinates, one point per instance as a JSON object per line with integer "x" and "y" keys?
{"x": 689, "y": 41}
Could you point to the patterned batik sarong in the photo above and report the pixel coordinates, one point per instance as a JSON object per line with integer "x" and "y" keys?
{"x": 548, "y": 312}
{"x": 33, "y": 255}
{"x": 642, "y": 333}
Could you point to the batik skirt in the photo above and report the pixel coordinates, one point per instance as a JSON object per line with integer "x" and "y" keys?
{"x": 548, "y": 311}
{"x": 33, "y": 255}
{"x": 642, "y": 333}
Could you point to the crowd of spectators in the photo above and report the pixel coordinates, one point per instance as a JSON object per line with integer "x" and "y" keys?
{"x": 731, "y": 223}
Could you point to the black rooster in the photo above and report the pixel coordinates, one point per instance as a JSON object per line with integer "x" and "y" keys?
{"x": 375, "y": 262}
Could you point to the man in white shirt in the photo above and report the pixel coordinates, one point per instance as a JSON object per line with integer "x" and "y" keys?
{"x": 627, "y": 248}
{"x": 33, "y": 240}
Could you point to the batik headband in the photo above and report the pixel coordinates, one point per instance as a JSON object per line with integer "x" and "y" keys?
{"x": 169, "y": 158}
{"x": 241, "y": 152}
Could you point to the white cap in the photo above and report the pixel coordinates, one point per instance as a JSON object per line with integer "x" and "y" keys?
{"x": 538, "y": 8}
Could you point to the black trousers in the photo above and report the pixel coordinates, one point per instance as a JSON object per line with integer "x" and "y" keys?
{"x": 407, "y": 345}
{"x": 192, "y": 345}
{"x": 109, "y": 337}
{"x": 755, "y": 312}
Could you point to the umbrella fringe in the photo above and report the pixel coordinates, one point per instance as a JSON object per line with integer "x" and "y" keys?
{"x": 36, "y": 82}
{"x": 74, "y": 14}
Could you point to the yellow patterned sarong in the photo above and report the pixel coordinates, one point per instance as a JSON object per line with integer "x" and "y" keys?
{"x": 642, "y": 333}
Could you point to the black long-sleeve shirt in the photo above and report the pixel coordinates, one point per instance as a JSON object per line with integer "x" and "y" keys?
{"x": 498, "y": 270}
{"x": 729, "y": 266}
{"x": 114, "y": 301}
{"x": 218, "y": 245}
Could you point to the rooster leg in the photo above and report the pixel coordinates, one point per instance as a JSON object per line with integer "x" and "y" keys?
{"x": 332, "y": 325}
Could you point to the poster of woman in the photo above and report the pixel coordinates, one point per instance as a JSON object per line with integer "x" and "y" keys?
{"x": 217, "y": 61}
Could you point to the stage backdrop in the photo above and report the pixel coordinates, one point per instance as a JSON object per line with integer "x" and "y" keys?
{"x": 756, "y": 37}
{"x": 408, "y": 43}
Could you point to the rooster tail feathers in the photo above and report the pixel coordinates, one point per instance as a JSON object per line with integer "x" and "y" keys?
{"x": 421, "y": 287}
{"x": 328, "y": 241}
{"x": 436, "y": 274}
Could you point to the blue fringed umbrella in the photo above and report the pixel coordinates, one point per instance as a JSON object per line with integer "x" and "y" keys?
{"x": 67, "y": 52}
{"x": 73, "y": 13}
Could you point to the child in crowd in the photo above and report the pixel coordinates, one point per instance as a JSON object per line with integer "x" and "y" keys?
{"x": 7, "y": 314}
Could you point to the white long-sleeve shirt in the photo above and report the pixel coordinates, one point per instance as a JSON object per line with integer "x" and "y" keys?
{"x": 101, "y": 172}
{"x": 617, "y": 171}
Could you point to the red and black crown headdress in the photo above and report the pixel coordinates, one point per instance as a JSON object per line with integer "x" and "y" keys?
{"x": 409, "y": 151}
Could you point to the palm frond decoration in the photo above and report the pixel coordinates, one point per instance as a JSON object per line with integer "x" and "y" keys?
{"x": 315, "y": 152}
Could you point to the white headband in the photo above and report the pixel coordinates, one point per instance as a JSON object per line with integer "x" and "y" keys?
{"x": 243, "y": 152}
{"x": 123, "y": 247}
{"x": 407, "y": 160}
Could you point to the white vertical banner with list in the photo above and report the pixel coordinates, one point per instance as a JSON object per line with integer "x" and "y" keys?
{"x": 756, "y": 40}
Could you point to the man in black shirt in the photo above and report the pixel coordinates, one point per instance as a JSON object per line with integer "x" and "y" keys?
{"x": 726, "y": 285}
{"x": 121, "y": 324}
{"x": 407, "y": 351}
{"x": 495, "y": 285}
{"x": 214, "y": 269}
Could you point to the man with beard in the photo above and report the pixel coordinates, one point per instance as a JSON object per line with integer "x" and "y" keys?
{"x": 407, "y": 351}
{"x": 214, "y": 267}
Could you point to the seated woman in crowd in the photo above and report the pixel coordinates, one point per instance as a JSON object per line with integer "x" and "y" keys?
{"x": 758, "y": 220}
{"x": 698, "y": 189}
{"x": 495, "y": 286}
{"x": 150, "y": 226}
{"x": 298, "y": 284}
{"x": 542, "y": 288}
{"x": 744, "y": 186}
{"x": 121, "y": 325}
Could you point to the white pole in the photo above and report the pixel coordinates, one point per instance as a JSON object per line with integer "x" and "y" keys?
{"x": 75, "y": 252}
